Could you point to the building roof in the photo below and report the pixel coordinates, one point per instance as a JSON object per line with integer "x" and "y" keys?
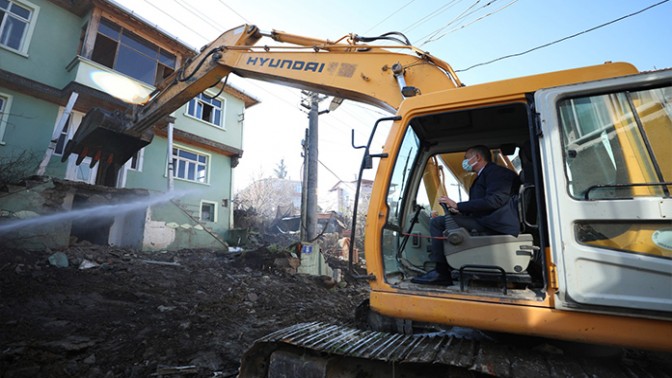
{"x": 353, "y": 183}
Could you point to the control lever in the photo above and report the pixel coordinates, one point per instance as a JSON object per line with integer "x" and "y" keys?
{"x": 449, "y": 221}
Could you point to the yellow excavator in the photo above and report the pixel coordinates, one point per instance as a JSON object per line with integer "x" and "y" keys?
{"x": 591, "y": 266}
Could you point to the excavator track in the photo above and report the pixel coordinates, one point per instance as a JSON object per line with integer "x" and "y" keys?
{"x": 326, "y": 350}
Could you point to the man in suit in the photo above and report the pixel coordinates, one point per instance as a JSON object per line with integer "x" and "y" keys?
{"x": 488, "y": 209}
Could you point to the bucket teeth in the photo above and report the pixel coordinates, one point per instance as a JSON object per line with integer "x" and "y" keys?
{"x": 107, "y": 137}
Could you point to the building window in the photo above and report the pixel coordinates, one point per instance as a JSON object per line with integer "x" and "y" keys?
{"x": 206, "y": 109}
{"x": 135, "y": 163}
{"x": 189, "y": 165}
{"x": 16, "y": 22}
{"x": 130, "y": 54}
{"x": 208, "y": 211}
{"x": 5, "y": 102}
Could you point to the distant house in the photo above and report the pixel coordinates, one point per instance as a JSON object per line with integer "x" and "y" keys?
{"x": 342, "y": 196}
{"x": 50, "y": 49}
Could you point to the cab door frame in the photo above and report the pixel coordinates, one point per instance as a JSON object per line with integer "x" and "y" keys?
{"x": 591, "y": 278}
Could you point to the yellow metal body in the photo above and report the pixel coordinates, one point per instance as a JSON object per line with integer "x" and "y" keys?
{"x": 539, "y": 318}
{"x": 524, "y": 318}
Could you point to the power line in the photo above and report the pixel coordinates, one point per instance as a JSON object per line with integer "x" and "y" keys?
{"x": 480, "y": 18}
{"x": 459, "y": 27}
{"x": 431, "y": 15}
{"x": 234, "y": 11}
{"x": 563, "y": 39}
{"x": 176, "y": 20}
{"x": 466, "y": 13}
{"x": 388, "y": 17}
{"x": 329, "y": 170}
{"x": 200, "y": 15}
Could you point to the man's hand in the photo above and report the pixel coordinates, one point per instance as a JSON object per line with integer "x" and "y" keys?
{"x": 451, "y": 204}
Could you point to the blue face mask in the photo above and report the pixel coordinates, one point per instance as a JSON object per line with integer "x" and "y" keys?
{"x": 466, "y": 166}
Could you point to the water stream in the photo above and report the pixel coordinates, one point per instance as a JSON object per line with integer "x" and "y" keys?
{"x": 94, "y": 212}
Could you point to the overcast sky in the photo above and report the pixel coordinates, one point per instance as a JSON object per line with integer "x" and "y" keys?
{"x": 464, "y": 33}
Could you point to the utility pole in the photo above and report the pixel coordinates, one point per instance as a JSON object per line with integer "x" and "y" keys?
{"x": 304, "y": 185}
{"x": 310, "y": 209}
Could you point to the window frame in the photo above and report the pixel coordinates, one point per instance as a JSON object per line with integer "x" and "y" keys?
{"x": 66, "y": 134}
{"x": 5, "y": 106}
{"x": 175, "y": 159}
{"x": 30, "y": 28}
{"x": 139, "y": 158}
{"x": 615, "y": 105}
{"x": 126, "y": 40}
{"x": 214, "y": 211}
{"x": 202, "y": 98}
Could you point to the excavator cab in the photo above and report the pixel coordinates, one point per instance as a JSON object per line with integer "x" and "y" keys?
{"x": 432, "y": 150}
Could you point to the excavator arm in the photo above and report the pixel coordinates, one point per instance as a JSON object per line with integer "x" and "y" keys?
{"x": 348, "y": 68}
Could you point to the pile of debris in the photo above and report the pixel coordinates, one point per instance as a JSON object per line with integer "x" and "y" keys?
{"x": 109, "y": 312}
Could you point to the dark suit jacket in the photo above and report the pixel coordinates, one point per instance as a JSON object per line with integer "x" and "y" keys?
{"x": 491, "y": 201}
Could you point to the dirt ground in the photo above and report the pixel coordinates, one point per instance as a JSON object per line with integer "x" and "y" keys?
{"x": 121, "y": 313}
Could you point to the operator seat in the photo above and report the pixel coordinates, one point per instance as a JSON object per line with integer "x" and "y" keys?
{"x": 510, "y": 253}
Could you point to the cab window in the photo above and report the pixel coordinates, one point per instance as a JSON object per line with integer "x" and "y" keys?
{"x": 616, "y": 145}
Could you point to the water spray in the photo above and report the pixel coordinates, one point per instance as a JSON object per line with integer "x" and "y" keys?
{"x": 95, "y": 212}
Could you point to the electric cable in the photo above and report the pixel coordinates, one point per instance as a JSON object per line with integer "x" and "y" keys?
{"x": 234, "y": 11}
{"x": 176, "y": 20}
{"x": 563, "y": 39}
{"x": 467, "y": 12}
{"x": 431, "y": 15}
{"x": 460, "y": 27}
{"x": 200, "y": 15}
{"x": 388, "y": 17}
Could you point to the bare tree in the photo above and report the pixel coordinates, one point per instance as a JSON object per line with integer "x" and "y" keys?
{"x": 13, "y": 168}
{"x": 267, "y": 195}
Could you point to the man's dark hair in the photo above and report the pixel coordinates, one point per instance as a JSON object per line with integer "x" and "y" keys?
{"x": 482, "y": 150}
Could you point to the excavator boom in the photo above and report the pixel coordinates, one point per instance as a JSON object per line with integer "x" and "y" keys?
{"x": 347, "y": 68}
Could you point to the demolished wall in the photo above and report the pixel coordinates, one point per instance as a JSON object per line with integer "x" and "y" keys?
{"x": 31, "y": 200}
{"x": 169, "y": 226}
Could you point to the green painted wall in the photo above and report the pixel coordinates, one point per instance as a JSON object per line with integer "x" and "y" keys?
{"x": 29, "y": 128}
{"x": 53, "y": 45}
{"x": 153, "y": 177}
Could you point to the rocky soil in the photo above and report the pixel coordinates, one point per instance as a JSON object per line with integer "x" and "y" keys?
{"x": 121, "y": 313}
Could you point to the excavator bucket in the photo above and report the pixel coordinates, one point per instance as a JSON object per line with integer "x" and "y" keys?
{"x": 107, "y": 137}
